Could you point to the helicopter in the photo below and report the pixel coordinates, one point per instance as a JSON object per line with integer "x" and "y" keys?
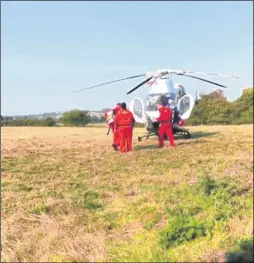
{"x": 161, "y": 85}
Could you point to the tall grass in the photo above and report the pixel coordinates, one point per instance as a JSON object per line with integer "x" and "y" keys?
{"x": 68, "y": 197}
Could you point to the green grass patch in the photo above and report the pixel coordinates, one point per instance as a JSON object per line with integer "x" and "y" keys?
{"x": 38, "y": 209}
{"x": 181, "y": 229}
{"x": 202, "y": 209}
{"x": 91, "y": 201}
{"x": 243, "y": 253}
{"x": 143, "y": 248}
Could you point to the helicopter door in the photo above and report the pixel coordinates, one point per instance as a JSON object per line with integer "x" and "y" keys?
{"x": 185, "y": 106}
{"x": 137, "y": 108}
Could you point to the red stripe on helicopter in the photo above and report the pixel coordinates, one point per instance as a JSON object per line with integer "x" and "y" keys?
{"x": 151, "y": 81}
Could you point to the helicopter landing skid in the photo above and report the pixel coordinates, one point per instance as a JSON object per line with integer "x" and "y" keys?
{"x": 176, "y": 131}
{"x": 181, "y": 131}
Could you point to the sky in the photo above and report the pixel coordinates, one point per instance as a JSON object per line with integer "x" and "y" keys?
{"x": 49, "y": 49}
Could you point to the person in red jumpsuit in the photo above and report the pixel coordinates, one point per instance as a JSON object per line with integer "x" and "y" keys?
{"x": 116, "y": 142}
{"x": 110, "y": 116}
{"x": 124, "y": 122}
{"x": 165, "y": 126}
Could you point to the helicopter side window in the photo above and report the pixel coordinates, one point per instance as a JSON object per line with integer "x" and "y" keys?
{"x": 137, "y": 108}
{"x": 184, "y": 105}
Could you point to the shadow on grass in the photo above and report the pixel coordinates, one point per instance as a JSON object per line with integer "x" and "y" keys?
{"x": 194, "y": 138}
{"x": 146, "y": 147}
{"x": 200, "y": 134}
{"x": 244, "y": 253}
{"x": 194, "y": 135}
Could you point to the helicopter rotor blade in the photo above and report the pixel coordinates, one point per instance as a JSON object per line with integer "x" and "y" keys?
{"x": 205, "y": 80}
{"x": 139, "y": 85}
{"x": 212, "y": 74}
{"x": 109, "y": 82}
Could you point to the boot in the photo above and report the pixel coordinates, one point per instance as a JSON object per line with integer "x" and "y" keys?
{"x": 114, "y": 147}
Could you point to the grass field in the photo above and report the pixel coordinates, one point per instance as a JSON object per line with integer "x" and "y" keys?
{"x": 68, "y": 197}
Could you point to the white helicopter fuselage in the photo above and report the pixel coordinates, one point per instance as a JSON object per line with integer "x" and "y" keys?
{"x": 146, "y": 111}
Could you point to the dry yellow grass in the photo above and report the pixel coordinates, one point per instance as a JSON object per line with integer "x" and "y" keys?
{"x": 67, "y": 196}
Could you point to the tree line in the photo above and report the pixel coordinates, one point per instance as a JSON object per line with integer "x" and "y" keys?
{"x": 210, "y": 110}
{"x": 70, "y": 118}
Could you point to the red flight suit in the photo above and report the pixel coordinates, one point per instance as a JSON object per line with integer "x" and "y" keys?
{"x": 124, "y": 122}
{"x": 165, "y": 126}
{"x": 116, "y": 134}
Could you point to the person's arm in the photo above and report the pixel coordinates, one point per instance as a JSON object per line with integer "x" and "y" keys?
{"x": 116, "y": 121}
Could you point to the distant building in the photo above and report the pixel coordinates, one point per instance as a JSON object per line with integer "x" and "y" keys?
{"x": 97, "y": 114}
{"x": 57, "y": 117}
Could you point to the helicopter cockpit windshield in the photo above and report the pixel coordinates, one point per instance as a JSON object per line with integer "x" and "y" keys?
{"x": 154, "y": 99}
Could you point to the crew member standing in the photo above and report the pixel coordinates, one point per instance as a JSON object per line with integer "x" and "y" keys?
{"x": 124, "y": 122}
{"x": 116, "y": 142}
{"x": 110, "y": 116}
{"x": 165, "y": 126}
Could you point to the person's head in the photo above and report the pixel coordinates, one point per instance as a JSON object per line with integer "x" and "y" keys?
{"x": 164, "y": 101}
{"x": 123, "y": 106}
{"x": 117, "y": 107}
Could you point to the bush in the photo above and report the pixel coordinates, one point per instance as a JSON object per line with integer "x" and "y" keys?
{"x": 182, "y": 228}
{"x": 242, "y": 254}
{"x": 220, "y": 111}
{"x": 75, "y": 118}
{"x": 49, "y": 122}
{"x": 202, "y": 209}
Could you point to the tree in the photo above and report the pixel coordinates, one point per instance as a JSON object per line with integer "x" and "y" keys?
{"x": 75, "y": 118}
{"x": 243, "y": 107}
{"x": 50, "y": 122}
{"x": 217, "y": 110}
